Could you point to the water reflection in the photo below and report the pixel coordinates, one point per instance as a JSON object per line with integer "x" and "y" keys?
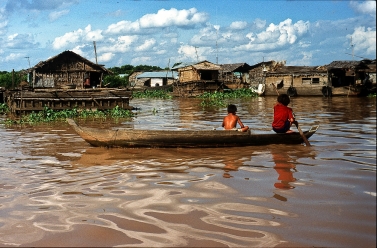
{"x": 285, "y": 169}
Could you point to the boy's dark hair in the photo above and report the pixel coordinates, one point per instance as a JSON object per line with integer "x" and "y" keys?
{"x": 232, "y": 108}
{"x": 284, "y": 99}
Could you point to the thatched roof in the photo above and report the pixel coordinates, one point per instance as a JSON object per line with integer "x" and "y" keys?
{"x": 203, "y": 65}
{"x": 68, "y": 57}
{"x": 299, "y": 70}
{"x": 362, "y": 65}
{"x": 237, "y": 67}
{"x": 345, "y": 64}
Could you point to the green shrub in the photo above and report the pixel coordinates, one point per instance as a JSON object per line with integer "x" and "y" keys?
{"x": 4, "y": 108}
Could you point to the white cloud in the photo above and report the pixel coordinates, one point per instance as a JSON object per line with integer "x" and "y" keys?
{"x": 285, "y": 33}
{"x": 172, "y": 17}
{"x": 121, "y": 45}
{"x": 141, "y": 60}
{"x": 13, "y": 57}
{"x": 92, "y": 35}
{"x": 162, "y": 19}
{"x": 238, "y": 25}
{"x": 123, "y": 27}
{"x": 206, "y": 34}
{"x": 364, "y": 41}
{"x": 78, "y": 50}
{"x": 189, "y": 53}
{"x": 19, "y": 41}
{"x": 259, "y": 24}
{"x": 76, "y": 37}
{"x": 57, "y": 14}
{"x": 71, "y": 37}
{"x": 146, "y": 45}
{"x": 161, "y": 52}
{"x": 105, "y": 57}
{"x": 364, "y": 7}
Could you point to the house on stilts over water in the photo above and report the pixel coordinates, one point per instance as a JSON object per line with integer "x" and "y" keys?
{"x": 66, "y": 81}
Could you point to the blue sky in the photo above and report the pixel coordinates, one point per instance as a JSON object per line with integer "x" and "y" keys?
{"x": 162, "y": 33}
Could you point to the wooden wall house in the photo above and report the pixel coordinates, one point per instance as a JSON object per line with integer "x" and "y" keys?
{"x": 196, "y": 78}
{"x": 67, "y": 70}
{"x": 66, "y": 81}
{"x": 352, "y": 77}
{"x": 235, "y": 76}
{"x": 296, "y": 81}
{"x": 258, "y": 71}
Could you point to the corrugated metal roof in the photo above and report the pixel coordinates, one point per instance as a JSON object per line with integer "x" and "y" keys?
{"x": 158, "y": 74}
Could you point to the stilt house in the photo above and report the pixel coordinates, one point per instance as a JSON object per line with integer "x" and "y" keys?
{"x": 355, "y": 77}
{"x": 235, "y": 76}
{"x": 66, "y": 81}
{"x": 296, "y": 80}
{"x": 197, "y": 78}
{"x": 67, "y": 70}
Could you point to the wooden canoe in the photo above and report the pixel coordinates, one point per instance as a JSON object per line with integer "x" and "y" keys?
{"x": 182, "y": 138}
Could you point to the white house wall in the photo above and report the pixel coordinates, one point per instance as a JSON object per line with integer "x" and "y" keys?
{"x": 156, "y": 82}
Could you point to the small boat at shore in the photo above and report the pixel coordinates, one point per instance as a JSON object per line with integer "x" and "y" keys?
{"x": 183, "y": 138}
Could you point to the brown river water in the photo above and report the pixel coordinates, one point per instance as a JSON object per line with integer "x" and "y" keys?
{"x": 57, "y": 190}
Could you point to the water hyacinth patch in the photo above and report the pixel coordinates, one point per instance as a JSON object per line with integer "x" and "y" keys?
{"x": 162, "y": 94}
{"x": 50, "y": 115}
{"x": 221, "y": 98}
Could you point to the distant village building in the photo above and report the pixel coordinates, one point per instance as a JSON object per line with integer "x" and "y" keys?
{"x": 67, "y": 70}
{"x": 235, "y": 76}
{"x": 257, "y": 72}
{"x": 356, "y": 76}
{"x": 156, "y": 79}
{"x": 66, "y": 81}
{"x": 203, "y": 70}
{"x": 197, "y": 78}
{"x": 296, "y": 80}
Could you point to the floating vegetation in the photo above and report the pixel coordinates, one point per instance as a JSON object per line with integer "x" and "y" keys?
{"x": 163, "y": 94}
{"x": 50, "y": 115}
{"x": 4, "y": 108}
{"x": 221, "y": 98}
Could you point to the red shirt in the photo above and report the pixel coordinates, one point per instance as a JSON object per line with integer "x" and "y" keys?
{"x": 282, "y": 114}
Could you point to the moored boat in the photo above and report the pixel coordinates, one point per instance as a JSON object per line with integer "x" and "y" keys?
{"x": 182, "y": 138}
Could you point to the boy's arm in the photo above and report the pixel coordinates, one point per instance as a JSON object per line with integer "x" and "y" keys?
{"x": 291, "y": 119}
{"x": 240, "y": 122}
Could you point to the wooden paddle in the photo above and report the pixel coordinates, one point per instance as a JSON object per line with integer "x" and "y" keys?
{"x": 302, "y": 134}
{"x": 296, "y": 124}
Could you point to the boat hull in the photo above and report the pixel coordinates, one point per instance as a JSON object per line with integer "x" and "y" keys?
{"x": 178, "y": 138}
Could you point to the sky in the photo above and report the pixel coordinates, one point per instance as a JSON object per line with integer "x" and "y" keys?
{"x": 165, "y": 32}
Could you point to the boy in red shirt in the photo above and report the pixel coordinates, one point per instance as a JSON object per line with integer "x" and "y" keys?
{"x": 283, "y": 115}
